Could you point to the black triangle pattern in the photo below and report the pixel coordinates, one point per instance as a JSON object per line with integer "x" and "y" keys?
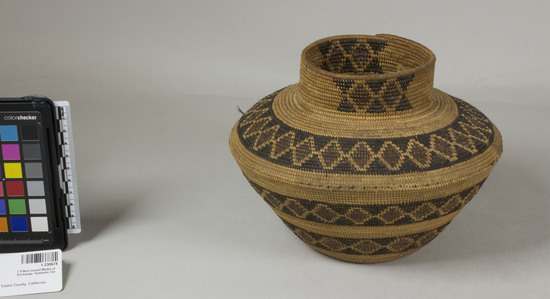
{"x": 376, "y": 107}
{"x": 376, "y": 45}
{"x": 348, "y": 66}
{"x": 404, "y": 104}
{"x": 376, "y": 86}
{"x": 343, "y": 84}
{"x": 341, "y": 56}
{"x": 337, "y": 55}
{"x": 348, "y": 44}
{"x": 346, "y": 106}
{"x": 376, "y": 96}
{"x": 404, "y": 81}
{"x": 374, "y": 66}
{"x": 324, "y": 48}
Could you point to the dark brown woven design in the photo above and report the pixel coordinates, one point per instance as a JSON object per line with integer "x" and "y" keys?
{"x": 370, "y": 214}
{"x": 375, "y": 246}
{"x": 351, "y": 55}
{"x": 363, "y": 159}
{"x": 374, "y": 97}
{"x": 263, "y": 133}
{"x": 354, "y": 57}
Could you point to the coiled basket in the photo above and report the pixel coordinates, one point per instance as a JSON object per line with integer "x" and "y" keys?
{"x": 363, "y": 159}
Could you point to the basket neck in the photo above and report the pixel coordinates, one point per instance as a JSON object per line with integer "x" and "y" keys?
{"x": 367, "y": 75}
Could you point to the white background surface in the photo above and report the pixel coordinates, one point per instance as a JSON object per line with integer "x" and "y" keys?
{"x": 166, "y": 212}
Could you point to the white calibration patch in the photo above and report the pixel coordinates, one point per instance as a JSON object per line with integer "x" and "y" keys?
{"x": 30, "y": 272}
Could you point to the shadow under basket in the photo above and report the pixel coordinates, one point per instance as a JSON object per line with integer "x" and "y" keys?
{"x": 363, "y": 159}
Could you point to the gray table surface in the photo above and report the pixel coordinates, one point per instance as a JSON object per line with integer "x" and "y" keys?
{"x": 166, "y": 212}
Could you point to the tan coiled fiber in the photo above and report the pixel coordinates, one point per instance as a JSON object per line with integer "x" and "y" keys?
{"x": 363, "y": 159}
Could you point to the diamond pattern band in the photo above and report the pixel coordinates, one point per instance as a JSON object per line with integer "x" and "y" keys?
{"x": 375, "y": 246}
{"x": 368, "y": 214}
{"x": 268, "y": 137}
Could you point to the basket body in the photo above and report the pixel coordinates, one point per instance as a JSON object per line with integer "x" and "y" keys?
{"x": 363, "y": 159}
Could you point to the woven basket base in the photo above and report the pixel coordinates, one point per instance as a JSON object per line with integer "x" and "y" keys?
{"x": 379, "y": 249}
{"x": 365, "y": 259}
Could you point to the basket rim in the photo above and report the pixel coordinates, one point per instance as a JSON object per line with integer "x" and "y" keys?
{"x": 428, "y": 64}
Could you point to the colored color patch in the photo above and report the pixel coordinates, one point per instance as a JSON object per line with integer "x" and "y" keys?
{"x": 19, "y": 224}
{"x": 2, "y": 207}
{"x": 13, "y": 170}
{"x": 10, "y": 152}
{"x": 31, "y": 151}
{"x": 8, "y": 133}
{"x": 33, "y": 170}
{"x": 17, "y": 206}
{"x": 29, "y": 133}
{"x": 37, "y": 206}
{"x": 3, "y": 225}
{"x": 39, "y": 224}
{"x": 15, "y": 188}
{"x": 35, "y": 188}
{"x": 1, "y": 189}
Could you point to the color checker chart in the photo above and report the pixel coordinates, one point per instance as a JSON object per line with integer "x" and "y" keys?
{"x": 38, "y": 193}
{"x": 32, "y": 202}
{"x": 23, "y": 198}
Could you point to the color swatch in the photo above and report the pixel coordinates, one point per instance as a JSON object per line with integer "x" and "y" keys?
{"x": 23, "y": 207}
